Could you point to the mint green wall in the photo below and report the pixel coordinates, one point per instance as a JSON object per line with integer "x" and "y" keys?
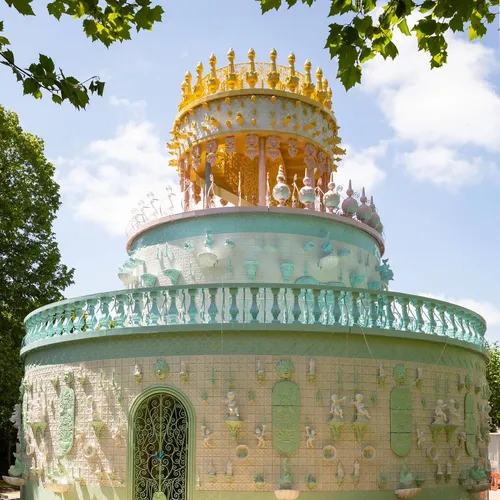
{"x": 265, "y": 222}
{"x": 199, "y": 340}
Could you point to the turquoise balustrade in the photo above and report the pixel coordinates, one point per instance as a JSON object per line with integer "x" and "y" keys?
{"x": 264, "y": 304}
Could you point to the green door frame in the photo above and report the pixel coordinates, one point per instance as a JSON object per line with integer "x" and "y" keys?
{"x": 191, "y": 438}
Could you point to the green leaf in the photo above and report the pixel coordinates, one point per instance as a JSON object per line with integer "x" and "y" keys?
{"x": 47, "y": 63}
{"x": 476, "y": 31}
{"x": 89, "y": 27}
{"x": 56, "y": 99}
{"x": 341, "y": 7}
{"x": 403, "y": 27}
{"x": 427, "y": 6}
{"x": 427, "y": 26}
{"x": 350, "y": 35}
{"x": 56, "y": 9}
{"x": 366, "y": 54}
{"x": 363, "y": 24}
{"x": 23, "y": 7}
{"x": 349, "y": 72}
{"x": 389, "y": 50}
{"x": 31, "y": 86}
{"x": 267, "y": 5}
{"x": 9, "y": 56}
{"x": 368, "y": 5}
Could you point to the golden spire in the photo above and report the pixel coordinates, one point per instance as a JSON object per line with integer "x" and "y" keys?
{"x": 188, "y": 78}
{"x": 307, "y": 86}
{"x": 198, "y": 87}
{"x": 252, "y": 76}
{"x": 231, "y": 78}
{"x": 328, "y": 101}
{"x": 213, "y": 81}
{"x": 292, "y": 82}
{"x": 320, "y": 93}
{"x": 273, "y": 77}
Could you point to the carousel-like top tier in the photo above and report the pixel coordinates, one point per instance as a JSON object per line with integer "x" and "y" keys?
{"x": 238, "y": 123}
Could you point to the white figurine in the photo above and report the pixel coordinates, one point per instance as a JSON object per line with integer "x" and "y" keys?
{"x": 440, "y": 415}
{"x": 454, "y": 417}
{"x": 361, "y": 411}
{"x": 312, "y": 367}
{"x": 311, "y": 436}
{"x": 462, "y": 437}
{"x": 420, "y": 438}
{"x": 260, "y": 432}
{"x": 229, "y": 469}
{"x": 381, "y": 371}
{"x": 232, "y": 410}
{"x": 16, "y": 416}
{"x": 356, "y": 468}
{"x": 449, "y": 468}
{"x": 420, "y": 373}
{"x": 335, "y": 409}
{"x": 207, "y": 437}
{"x": 183, "y": 368}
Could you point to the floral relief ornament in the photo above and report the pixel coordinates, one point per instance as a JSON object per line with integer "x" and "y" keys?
{"x": 211, "y": 148}
{"x": 230, "y": 143}
{"x": 197, "y": 157}
{"x": 292, "y": 147}
{"x": 251, "y": 146}
{"x": 273, "y": 148}
{"x": 309, "y": 153}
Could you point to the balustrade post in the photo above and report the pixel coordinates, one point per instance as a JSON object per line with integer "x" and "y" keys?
{"x": 136, "y": 315}
{"x": 337, "y": 311}
{"x": 316, "y": 308}
{"x": 173, "y": 313}
{"x": 154, "y": 312}
{"x": 373, "y": 312}
{"x": 418, "y": 315}
{"x": 296, "y": 311}
{"x": 354, "y": 308}
{"x": 105, "y": 317}
{"x": 441, "y": 308}
{"x": 254, "y": 308}
{"x": 275, "y": 309}
{"x": 453, "y": 323}
{"x": 388, "y": 299}
{"x": 192, "y": 309}
{"x": 77, "y": 322}
{"x": 91, "y": 320}
{"x": 212, "y": 308}
{"x": 119, "y": 308}
{"x": 405, "y": 318}
{"x": 233, "y": 308}
{"x": 430, "y": 306}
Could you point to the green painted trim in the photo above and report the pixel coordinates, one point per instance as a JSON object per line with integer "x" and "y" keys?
{"x": 252, "y": 220}
{"x": 251, "y": 339}
{"x": 34, "y": 491}
{"x": 181, "y": 396}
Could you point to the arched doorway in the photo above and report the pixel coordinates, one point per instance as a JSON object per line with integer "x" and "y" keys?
{"x": 160, "y": 451}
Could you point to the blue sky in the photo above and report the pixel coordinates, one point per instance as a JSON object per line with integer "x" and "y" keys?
{"x": 425, "y": 143}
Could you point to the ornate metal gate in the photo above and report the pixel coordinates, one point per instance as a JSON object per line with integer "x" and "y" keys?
{"x": 160, "y": 453}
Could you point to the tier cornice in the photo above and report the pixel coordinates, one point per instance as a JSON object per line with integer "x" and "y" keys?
{"x": 251, "y": 210}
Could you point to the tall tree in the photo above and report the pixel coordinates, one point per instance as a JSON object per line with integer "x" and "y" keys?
{"x": 356, "y": 38}
{"x": 31, "y": 273}
{"x": 493, "y": 377}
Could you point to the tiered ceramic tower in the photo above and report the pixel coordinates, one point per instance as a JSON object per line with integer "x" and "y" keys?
{"x": 255, "y": 351}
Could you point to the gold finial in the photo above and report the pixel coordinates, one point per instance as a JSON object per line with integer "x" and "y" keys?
{"x": 307, "y": 86}
{"x": 239, "y": 118}
{"x": 252, "y": 76}
{"x": 213, "y": 81}
{"x": 188, "y": 78}
{"x": 198, "y": 87}
{"x": 328, "y": 100}
{"x": 320, "y": 93}
{"x": 273, "y": 77}
{"x": 292, "y": 82}
{"x": 231, "y": 78}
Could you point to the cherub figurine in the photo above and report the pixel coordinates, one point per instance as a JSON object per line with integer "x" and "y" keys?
{"x": 440, "y": 415}
{"x": 381, "y": 371}
{"x": 260, "y": 432}
{"x": 207, "y": 437}
{"x": 420, "y": 438}
{"x": 312, "y": 367}
{"x": 462, "y": 437}
{"x": 311, "y": 436}
{"x": 232, "y": 410}
{"x": 335, "y": 409}
{"x": 361, "y": 411}
{"x": 454, "y": 417}
{"x": 356, "y": 469}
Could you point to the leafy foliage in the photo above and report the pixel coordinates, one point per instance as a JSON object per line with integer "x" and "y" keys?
{"x": 31, "y": 273}
{"x": 493, "y": 377}
{"x": 362, "y": 36}
{"x": 106, "y": 22}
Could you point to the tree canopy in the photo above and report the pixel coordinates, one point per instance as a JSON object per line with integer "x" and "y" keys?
{"x": 359, "y": 35}
{"x": 31, "y": 273}
{"x": 493, "y": 377}
{"x": 356, "y": 36}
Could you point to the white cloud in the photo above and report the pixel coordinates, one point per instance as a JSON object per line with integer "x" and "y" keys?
{"x": 127, "y": 103}
{"x": 361, "y": 167}
{"x": 107, "y": 179}
{"x": 446, "y": 167}
{"x": 439, "y": 111}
